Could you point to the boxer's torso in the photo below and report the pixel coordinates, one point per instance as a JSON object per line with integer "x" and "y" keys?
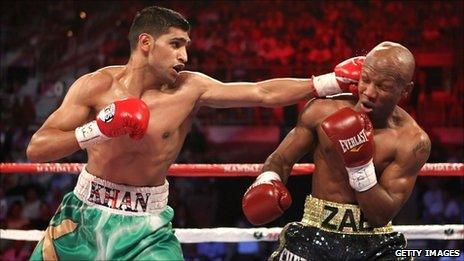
{"x": 330, "y": 180}
{"x": 143, "y": 162}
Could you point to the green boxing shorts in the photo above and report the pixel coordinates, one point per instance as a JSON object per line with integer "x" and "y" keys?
{"x": 101, "y": 220}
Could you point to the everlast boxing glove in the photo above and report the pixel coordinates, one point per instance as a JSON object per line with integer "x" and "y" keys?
{"x": 351, "y": 133}
{"x": 266, "y": 199}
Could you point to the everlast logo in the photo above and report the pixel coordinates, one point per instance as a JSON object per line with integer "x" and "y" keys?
{"x": 116, "y": 199}
{"x": 353, "y": 142}
{"x": 344, "y": 220}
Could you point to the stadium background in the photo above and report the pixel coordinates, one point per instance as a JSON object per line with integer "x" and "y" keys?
{"x": 46, "y": 45}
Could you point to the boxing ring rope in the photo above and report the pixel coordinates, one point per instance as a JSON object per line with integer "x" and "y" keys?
{"x": 230, "y": 234}
{"x": 216, "y": 170}
{"x": 221, "y": 234}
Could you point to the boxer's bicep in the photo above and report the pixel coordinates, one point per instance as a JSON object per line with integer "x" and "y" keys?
{"x": 296, "y": 144}
{"x": 302, "y": 138}
{"x": 398, "y": 183}
{"x": 214, "y": 93}
{"x": 56, "y": 138}
{"x": 67, "y": 117}
{"x": 399, "y": 177}
{"x": 269, "y": 93}
{"x": 229, "y": 95}
{"x": 74, "y": 110}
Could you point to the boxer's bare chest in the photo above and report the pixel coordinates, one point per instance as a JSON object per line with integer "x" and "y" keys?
{"x": 330, "y": 180}
{"x": 385, "y": 143}
{"x": 171, "y": 113}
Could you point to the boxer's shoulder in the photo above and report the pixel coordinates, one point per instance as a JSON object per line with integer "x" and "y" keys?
{"x": 192, "y": 80}
{"x": 98, "y": 81}
{"x": 190, "y": 77}
{"x": 407, "y": 127}
{"x": 89, "y": 86}
{"x": 316, "y": 110}
{"x": 105, "y": 77}
{"x": 411, "y": 139}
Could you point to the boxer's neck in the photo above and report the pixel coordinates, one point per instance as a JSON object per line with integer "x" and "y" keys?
{"x": 139, "y": 76}
{"x": 387, "y": 120}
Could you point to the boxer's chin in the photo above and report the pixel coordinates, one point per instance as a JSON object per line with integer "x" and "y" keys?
{"x": 364, "y": 108}
{"x": 171, "y": 77}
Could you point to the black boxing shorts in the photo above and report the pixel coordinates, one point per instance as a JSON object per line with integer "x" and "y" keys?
{"x": 334, "y": 231}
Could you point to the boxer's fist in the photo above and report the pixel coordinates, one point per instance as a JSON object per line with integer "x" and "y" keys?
{"x": 352, "y": 135}
{"x": 266, "y": 199}
{"x": 348, "y": 74}
{"x": 129, "y": 116}
{"x": 345, "y": 78}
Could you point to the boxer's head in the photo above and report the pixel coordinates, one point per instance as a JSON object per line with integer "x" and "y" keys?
{"x": 385, "y": 79}
{"x": 161, "y": 35}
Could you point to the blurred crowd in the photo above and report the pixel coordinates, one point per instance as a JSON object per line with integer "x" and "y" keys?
{"x": 45, "y": 46}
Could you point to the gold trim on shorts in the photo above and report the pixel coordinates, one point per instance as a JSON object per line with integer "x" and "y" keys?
{"x": 339, "y": 218}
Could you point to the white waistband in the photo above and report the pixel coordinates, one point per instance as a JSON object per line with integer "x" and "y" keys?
{"x": 121, "y": 199}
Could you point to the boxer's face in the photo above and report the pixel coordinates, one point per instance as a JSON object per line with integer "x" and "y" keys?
{"x": 385, "y": 79}
{"x": 168, "y": 54}
{"x": 380, "y": 90}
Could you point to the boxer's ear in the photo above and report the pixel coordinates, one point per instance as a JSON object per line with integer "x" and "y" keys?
{"x": 407, "y": 90}
{"x": 145, "y": 41}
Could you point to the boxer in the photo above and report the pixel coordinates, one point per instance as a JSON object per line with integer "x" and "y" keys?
{"x": 132, "y": 120}
{"x": 367, "y": 155}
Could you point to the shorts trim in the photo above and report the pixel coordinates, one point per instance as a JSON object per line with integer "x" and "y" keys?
{"x": 339, "y": 218}
{"x": 121, "y": 199}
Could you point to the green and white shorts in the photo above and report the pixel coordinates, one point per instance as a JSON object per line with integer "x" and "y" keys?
{"x": 107, "y": 221}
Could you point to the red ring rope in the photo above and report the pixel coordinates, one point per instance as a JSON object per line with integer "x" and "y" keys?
{"x": 216, "y": 170}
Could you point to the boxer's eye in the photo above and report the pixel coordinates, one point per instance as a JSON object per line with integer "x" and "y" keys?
{"x": 365, "y": 79}
{"x": 175, "y": 44}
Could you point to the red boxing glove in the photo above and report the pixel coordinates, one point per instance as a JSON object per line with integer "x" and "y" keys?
{"x": 128, "y": 116}
{"x": 266, "y": 199}
{"x": 122, "y": 117}
{"x": 351, "y": 133}
{"x": 345, "y": 78}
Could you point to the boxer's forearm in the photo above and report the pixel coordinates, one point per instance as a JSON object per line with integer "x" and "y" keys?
{"x": 377, "y": 205}
{"x": 277, "y": 164}
{"x": 51, "y": 144}
{"x": 285, "y": 91}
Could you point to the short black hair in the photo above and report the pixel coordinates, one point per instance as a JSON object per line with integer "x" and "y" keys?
{"x": 155, "y": 21}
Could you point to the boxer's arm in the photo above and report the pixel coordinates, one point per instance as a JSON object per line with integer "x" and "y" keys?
{"x": 268, "y": 198}
{"x": 279, "y": 91}
{"x": 56, "y": 137}
{"x": 382, "y": 202}
{"x": 296, "y": 144}
{"x": 269, "y": 93}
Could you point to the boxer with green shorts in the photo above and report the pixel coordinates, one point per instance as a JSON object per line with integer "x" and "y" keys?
{"x": 132, "y": 120}
{"x": 101, "y": 220}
